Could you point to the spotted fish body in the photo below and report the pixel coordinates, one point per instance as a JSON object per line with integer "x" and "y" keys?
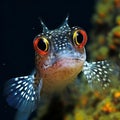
{"x": 59, "y": 57}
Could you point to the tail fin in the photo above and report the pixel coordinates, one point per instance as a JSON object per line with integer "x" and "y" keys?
{"x": 22, "y": 94}
{"x": 98, "y": 72}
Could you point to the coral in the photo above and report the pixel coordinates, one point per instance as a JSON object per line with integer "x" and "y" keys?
{"x": 117, "y": 95}
{"x": 118, "y": 20}
{"x": 114, "y": 42}
{"x": 108, "y": 106}
{"x": 103, "y": 15}
{"x": 106, "y": 30}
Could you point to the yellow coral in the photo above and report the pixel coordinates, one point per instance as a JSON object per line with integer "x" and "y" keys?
{"x": 114, "y": 37}
{"x": 118, "y": 20}
{"x": 79, "y": 115}
{"x": 117, "y": 94}
{"x": 108, "y": 108}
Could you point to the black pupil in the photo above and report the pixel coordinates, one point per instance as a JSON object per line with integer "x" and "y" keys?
{"x": 41, "y": 44}
{"x": 79, "y": 37}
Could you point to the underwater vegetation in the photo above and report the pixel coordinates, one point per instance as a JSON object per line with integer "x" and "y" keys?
{"x": 105, "y": 35}
{"x": 85, "y": 103}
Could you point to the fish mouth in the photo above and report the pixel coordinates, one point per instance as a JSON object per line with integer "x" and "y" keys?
{"x": 68, "y": 58}
{"x": 65, "y": 62}
{"x": 68, "y": 62}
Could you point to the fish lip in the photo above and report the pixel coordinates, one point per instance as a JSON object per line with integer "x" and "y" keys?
{"x": 72, "y": 56}
{"x": 83, "y": 58}
{"x": 61, "y": 59}
{"x": 66, "y": 58}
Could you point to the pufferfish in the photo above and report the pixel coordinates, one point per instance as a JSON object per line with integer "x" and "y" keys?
{"x": 59, "y": 57}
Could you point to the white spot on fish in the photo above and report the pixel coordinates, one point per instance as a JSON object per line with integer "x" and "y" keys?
{"x": 98, "y": 79}
{"x": 28, "y": 91}
{"x": 105, "y": 72}
{"x": 13, "y": 84}
{"x": 95, "y": 70}
{"x": 25, "y": 88}
{"x": 19, "y": 82}
{"x": 18, "y": 86}
{"x": 26, "y": 77}
{"x": 104, "y": 67}
{"x": 32, "y": 98}
{"x": 15, "y": 93}
{"x": 100, "y": 73}
{"x": 16, "y": 79}
{"x": 22, "y": 93}
{"x": 26, "y": 84}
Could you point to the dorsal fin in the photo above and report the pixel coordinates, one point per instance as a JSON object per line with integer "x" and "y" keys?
{"x": 45, "y": 29}
{"x": 65, "y": 23}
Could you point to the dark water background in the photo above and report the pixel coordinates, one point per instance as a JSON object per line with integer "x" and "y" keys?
{"x": 19, "y": 24}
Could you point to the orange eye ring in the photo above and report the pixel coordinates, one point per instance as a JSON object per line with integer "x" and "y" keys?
{"x": 80, "y": 43}
{"x": 41, "y": 45}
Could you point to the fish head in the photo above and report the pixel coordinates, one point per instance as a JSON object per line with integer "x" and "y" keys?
{"x": 60, "y": 53}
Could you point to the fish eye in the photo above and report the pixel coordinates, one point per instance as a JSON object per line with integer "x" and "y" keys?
{"x": 80, "y": 38}
{"x": 41, "y": 45}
